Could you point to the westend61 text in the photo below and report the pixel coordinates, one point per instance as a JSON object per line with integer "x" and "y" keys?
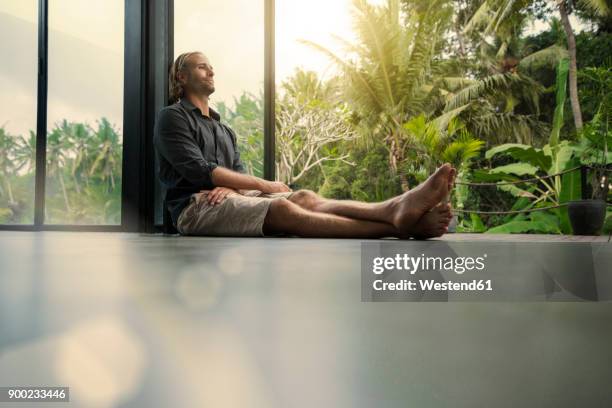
{"x": 429, "y": 284}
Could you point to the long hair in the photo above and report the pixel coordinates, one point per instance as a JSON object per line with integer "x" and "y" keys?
{"x": 175, "y": 91}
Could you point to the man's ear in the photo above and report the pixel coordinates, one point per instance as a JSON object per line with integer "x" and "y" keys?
{"x": 182, "y": 77}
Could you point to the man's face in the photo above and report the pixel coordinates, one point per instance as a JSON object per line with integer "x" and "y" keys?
{"x": 199, "y": 76}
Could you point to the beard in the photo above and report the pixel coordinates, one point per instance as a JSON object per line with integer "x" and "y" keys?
{"x": 207, "y": 88}
{"x": 200, "y": 87}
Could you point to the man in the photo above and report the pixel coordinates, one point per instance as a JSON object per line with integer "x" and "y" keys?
{"x": 209, "y": 194}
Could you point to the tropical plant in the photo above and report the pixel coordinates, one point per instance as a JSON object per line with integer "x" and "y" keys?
{"x": 503, "y": 84}
{"x": 25, "y": 153}
{"x": 309, "y": 126}
{"x": 246, "y": 119}
{"x": 542, "y": 164}
{"x": 388, "y": 81}
{"x": 593, "y": 150}
{"x": 57, "y": 157}
{"x": 434, "y": 146}
{"x": 83, "y": 174}
{"x": 497, "y": 16}
{"x": 7, "y": 163}
{"x": 108, "y": 159}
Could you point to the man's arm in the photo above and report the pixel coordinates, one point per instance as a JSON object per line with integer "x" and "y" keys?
{"x": 223, "y": 177}
{"x": 175, "y": 143}
{"x": 238, "y": 180}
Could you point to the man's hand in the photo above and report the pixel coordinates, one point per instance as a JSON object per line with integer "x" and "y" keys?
{"x": 275, "y": 187}
{"x": 218, "y": 194}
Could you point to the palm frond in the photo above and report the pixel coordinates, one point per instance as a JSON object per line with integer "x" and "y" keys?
{"x": 444, "y": 119}
{"x": 480, "y": 17}
{"x": 351, "y": 71}
{"x": 549, "y": 56}
{"x": 600, "y": 7}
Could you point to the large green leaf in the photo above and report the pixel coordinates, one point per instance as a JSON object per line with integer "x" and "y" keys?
{"x": 504, "y": 148}
{"x": 477, "y": 224}
{"x": 519, "y": 169}
{"x": 562, "y": 157}
{"x": 522, "y": 203}
{"x": 483, "y": 176}
{"x": 562, "y": 70}
{"x": 547, "y": 57}
{"x": 517, "y": 191}
{"x": 548, "y": 218}
{"x": 523, "y": 153}
{"x": 518, "y": 227}
{"x": 571, "y": 189}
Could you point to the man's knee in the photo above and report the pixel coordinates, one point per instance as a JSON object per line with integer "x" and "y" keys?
{"x": 281, "y": 209}
{"x": 305, "y": 199}
{"x": 280, "y": 217}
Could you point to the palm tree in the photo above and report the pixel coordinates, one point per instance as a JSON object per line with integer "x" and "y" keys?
{"x": 389, "y": 79}
{"x": 80, "y": 141}
{"x": 108, "y": 160}
{"x": 57, "y": 155}
{"x": 454, "y": 144}
{"x": 498, "y": 84}
{"x": 7, "y": 164}
{"x": 494, "y": 15}
{"x": 25, "y": 153}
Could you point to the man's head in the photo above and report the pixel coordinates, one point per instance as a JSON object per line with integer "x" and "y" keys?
{"x": 192, "y": 74}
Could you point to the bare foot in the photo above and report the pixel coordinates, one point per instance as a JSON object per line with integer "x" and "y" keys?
{"x": 409, "y": 207}
{"x": 434, "y": 223}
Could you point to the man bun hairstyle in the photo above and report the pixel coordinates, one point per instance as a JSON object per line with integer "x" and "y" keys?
{"x": 175, "y": 91}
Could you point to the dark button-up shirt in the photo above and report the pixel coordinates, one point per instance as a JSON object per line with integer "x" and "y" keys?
{"x": 189, "y": 146}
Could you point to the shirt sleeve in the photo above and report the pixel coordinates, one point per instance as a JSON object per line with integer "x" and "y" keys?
{"x": 237, "y": 163}
{"x": 175, "y": 143}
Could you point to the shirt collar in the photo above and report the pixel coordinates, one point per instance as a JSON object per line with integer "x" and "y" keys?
{"x": 190, "y": 106}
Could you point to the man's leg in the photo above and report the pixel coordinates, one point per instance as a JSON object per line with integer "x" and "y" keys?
{"x": 403, "y": 212}
{"x": 286, "y": 217}
{"x": 310, "y": 200}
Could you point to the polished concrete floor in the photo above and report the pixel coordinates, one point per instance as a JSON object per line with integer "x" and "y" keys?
{"x": 128, "y": 320}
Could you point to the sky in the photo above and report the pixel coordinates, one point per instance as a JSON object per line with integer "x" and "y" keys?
{"x": 86, "y": 51}
{"x": 85, "y": 62}
{"x": 231, "y": 34}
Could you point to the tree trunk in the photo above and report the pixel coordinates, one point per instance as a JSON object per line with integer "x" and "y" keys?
{"x": 395, "y": 157}
{"x": 573, "y": 70}
{"x": 61, "y": 179}
{"x": 10, "y": 191}
{"x": 404, "y": 183}
{"x": 76, "y": 184}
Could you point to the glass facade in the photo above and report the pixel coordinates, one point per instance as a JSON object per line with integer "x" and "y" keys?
{"x": 18, "y": 104}
{"x": 231, "y": 35}
{"x": 85, "y": 112}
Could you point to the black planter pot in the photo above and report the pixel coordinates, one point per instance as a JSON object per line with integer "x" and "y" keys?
{"x": 587, "y": 216}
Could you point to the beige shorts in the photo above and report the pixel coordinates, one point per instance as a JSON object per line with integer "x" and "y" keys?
{"x": 237, "y": 216}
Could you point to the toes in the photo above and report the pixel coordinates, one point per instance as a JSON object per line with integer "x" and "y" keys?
{"x": 442, "y": 208}
{"x": 451, "y": 178}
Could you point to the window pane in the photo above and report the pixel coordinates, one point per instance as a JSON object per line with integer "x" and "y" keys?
{"x": 231, "y": 34}
{"x": 312, "y": 122}
{"x": 18, "y": 95}
{"x": 85, "y": 112}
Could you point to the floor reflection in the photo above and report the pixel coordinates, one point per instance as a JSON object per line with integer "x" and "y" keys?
{"x": 143, "y": 321}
